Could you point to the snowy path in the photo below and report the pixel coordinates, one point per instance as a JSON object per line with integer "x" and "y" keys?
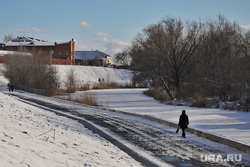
{"x": 157, "y": 140}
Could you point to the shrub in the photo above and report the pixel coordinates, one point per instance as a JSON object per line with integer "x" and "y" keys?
{"x": 158, "y": 94}
{"x": 101, "y": 86}
{"x": 199, "y": 101}
{"x": 231, "y": 106}
{"x": 105, "y": 86}
{"x": 71, "y": 82}
{"x": 89, "y": 98}
{"x": 84, "y": 87}
{"x": 53, "y": 92}
{"x": 31, "y": 69}
{"x": 71, "y": 89}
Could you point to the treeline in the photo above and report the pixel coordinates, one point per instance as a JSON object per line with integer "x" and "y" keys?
{"x": 190, "y": 59}
{"x": 33, "y": 70}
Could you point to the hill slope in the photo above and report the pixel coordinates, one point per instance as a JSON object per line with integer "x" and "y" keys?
{"x": 91, "y": 74}
{"x": 88, "y": 75}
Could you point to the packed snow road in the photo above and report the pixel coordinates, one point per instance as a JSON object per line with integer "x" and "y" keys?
{"x": 140, "y": 138}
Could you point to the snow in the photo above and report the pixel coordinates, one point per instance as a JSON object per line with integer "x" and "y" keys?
{"x": 34, "y": 137}
{"x": 229, "y": 124}
{"x": 91, "y": 74}
{"x": 28, "y": 41}
{"x": 27, "y": 134}
{"x": 3, "y": 80}
{"x": 87, "y": 75}
{"x": 5, "y": 52}
{"x": 30, "y": 44}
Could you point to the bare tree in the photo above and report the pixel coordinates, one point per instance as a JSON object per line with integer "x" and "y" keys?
{"x": 84, "y": 59}
{"x": 9, "y": 69}
{"x": 8, "y": 37}
{"x": 164, "y": 52}
{"x": 30, "y": 69}
{"x": 219, "y": 56}
{"x": 16, "y": 68}
{"x": 123, "y": 59}
{"x": 246, "y": 43}
{"x": 71, "y": 82}
{"x": 43, "y": 75}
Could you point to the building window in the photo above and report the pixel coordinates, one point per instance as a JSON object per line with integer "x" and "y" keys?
{"x": 67, "y": 53}
{"x": 60, "y": 52}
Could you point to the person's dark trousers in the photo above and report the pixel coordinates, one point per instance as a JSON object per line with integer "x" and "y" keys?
{"x": 183, "y": 132}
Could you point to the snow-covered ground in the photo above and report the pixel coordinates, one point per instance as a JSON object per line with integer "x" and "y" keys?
{"x": 229, "y": 124}
{"x": 3, "y": 80}
{"x": 30, "y": 136}
{"x": 91, "y": 75}
{"x": 26, "y": 134}
{"x": 34, "y": 137}
{"x": 88, "y": 75}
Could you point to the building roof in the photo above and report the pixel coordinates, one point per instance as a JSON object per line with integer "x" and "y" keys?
{"x": 10, "y": 43}
{"x": 90, "y": 55}
{"x": 28, "y": 41}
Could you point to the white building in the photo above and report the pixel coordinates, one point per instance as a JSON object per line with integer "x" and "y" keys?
{"x": 93, "y": 58}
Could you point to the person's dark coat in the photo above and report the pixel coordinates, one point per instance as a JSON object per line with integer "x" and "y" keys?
{"x": 183, "y": 121}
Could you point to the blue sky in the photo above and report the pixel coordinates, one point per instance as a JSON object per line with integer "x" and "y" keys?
{"x": 106, "y": 25}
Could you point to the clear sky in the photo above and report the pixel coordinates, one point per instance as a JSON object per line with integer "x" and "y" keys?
{"x": 106, "y": 25}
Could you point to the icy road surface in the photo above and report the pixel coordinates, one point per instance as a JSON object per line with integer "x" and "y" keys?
{"x": 142, "y": 138}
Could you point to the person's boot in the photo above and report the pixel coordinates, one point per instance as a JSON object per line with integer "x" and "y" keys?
{"x": 183, "y": 134}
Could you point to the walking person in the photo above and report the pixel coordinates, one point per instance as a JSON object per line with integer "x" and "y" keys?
{"x": 183, "y": 122}
{"x": 12, "y": 87}
{"x": 9, "y": 87}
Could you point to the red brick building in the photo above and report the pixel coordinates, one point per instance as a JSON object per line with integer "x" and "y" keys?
{"x": 59, "y": 52}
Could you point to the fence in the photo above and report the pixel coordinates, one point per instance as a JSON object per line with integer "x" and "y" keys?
{"x": 30, "y": 90}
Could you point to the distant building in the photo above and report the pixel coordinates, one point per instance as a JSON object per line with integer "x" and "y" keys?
{"x": 93, "y": 58}
{"x": 59, "y": 52}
